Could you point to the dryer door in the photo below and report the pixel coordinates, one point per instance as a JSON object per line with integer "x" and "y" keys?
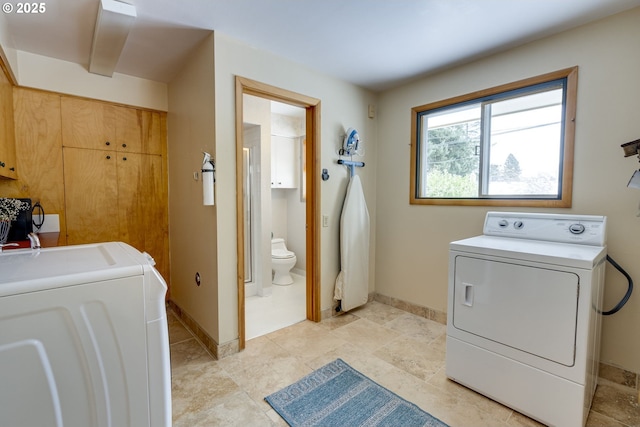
{"x": 528, "y": 308}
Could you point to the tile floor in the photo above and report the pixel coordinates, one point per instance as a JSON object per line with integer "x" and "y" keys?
{"x": 399, "y": 350}
{"x": 285, "y": 306}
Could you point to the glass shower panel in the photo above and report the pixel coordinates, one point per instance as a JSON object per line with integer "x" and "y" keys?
{"x": 248, "y": 235}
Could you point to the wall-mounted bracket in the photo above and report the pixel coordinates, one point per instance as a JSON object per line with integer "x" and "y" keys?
{"x": 631, "y": 148}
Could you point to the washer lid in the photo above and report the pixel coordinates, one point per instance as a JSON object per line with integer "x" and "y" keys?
{"x": 563, "y": 254}
{"x": 27, "y": 271}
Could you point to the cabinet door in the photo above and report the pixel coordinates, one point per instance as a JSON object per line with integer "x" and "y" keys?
{"x": 88, "y": 124}
{"x": 91, "y": 195}
{"x": 131, "y": 183}
{"x": 283, "y": 162}
{"x": 39, "y": 150}
{"x": 128, "y": 129}
{"x": 142, "y": 205}
{"x": 156, "y": 222}
{"x": 8, "y": 168}
{"x": 154, "y": 125}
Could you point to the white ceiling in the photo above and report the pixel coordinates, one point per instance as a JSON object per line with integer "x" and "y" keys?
{"x": 372, "y": 43}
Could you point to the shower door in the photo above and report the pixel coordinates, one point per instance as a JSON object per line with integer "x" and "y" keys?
{"x": 248, "y": 234}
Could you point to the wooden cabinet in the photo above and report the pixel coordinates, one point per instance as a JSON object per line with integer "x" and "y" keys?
{"x": 142, "y": 204}
{"x": 91, "y": 195}
{"x": 101, "y": 192}
{"x": 113, "y": 196}
{"x": 152, "y": 207}
{"x": 115, "y": 176}
{"x": 103, "y": 126}
{"x": 8, "y": 167}
{"x": 154, "y": 128}
{"x": 284, "y": 162}
{"x": 39, "y": 151}
{"x": 88, "y": 124}
{"x": 128, "y": 129}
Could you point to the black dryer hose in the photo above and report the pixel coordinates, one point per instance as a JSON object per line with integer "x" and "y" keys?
{"x": 626, "y": 296}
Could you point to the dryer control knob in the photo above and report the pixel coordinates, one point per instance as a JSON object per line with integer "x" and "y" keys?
{"x": 518, "y": 225}
{"x": 503, "y": 223}
{"x": 576, "y": 228}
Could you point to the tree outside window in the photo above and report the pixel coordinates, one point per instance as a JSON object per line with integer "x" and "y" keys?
{"x": 510, "y": 145}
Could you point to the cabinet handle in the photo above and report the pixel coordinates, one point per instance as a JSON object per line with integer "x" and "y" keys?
{"x": 12, "y": 169}
{"x": 107, "y": 143}
{"x": 124, "y": 158}
{"x": 108, "y": 157}
{"x": 124, "y": 145}
{"x": 2, "y": 164}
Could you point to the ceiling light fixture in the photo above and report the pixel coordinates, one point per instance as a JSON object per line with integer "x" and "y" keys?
{"x": 113, "y": 23}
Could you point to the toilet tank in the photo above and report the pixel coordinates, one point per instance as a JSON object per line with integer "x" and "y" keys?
{"x": 278, "y": 243}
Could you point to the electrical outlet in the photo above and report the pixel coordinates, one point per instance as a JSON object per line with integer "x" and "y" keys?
{"x": 325, "y": 220}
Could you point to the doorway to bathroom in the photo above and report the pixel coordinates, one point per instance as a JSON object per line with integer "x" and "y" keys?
{"x": 274, "y": 200}
{"x": 277, "y": 140}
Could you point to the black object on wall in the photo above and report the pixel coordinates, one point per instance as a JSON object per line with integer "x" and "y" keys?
{"x": 23, "y": 225}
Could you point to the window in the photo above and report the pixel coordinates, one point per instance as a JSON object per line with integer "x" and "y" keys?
{"x": 511, "y": 145}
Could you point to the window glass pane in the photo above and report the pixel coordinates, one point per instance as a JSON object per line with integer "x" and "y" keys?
{"x": 450, "y": 144}
{"x": 525, "y": 145}
{"x": 510, "y": 145}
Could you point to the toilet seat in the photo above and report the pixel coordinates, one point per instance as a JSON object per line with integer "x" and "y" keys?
{"x": 282, "y": 254}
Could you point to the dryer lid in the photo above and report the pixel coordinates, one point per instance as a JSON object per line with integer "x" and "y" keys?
{"x": 562, "y": 254}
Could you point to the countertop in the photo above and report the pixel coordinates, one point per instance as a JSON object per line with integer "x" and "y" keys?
{"x": 47, "y": 240}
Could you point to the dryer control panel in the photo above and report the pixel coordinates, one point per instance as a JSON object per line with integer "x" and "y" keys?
{"x": 579, "y": 229}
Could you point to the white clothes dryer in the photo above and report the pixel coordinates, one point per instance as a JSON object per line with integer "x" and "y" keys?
{"x": 524, "y": 313}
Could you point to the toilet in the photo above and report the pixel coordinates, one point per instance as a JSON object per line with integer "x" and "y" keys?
{"x": 282, "y": 261}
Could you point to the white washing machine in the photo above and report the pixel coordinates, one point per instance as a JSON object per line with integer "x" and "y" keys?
{"x": 83, "y": 338}
{"x": 524, "y": 313}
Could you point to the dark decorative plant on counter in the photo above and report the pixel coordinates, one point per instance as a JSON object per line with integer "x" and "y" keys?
{"x": 9, "y": 210}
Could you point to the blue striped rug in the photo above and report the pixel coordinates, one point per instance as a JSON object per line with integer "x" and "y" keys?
{"x": 338, "y": 395}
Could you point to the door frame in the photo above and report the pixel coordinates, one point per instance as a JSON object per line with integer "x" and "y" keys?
{"x": 312, "y": 107}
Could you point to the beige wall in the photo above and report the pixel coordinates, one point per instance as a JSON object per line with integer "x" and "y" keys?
{"x": 42, "y": 72}
{"x": 204, "y": 238}
{"x": 412, "y": 249}
{"x": 192, "y": 226}
{"x": 342, "y": 105}
{"x": 7, "y": 50}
